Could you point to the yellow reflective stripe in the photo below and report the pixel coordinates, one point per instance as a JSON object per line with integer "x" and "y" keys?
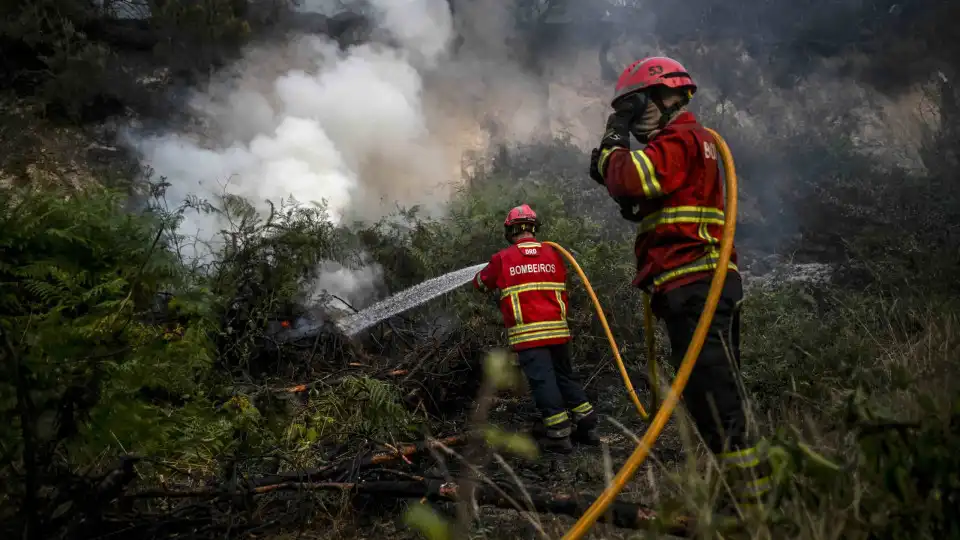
{"x": 707, "y": 262}
{"x": 705, "y": 234}
{"x": 602, "y": 162}
{"x": 741, "y": 459}
{"x": 537, "y": 326}
{"x": 681, "y": 214}
{"x": 583, "y": 408}
{"x": 536, "y": 336}
{"x": 536, "y": 286}
{"x": 528, "y": 244}
{"x": 648, "y": 176}
{"x": 563, "y": 306}
{"x": 517, "y": 312}
{"x": 755, "y": 488}
{"x": 556, "y": 419}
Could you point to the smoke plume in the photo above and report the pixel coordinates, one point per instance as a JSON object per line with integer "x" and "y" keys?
{"x": 386, "y": 122}
{"x": 308, "y": 120}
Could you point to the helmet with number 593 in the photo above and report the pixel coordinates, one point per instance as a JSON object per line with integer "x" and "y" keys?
{"x": 653, "y": 71}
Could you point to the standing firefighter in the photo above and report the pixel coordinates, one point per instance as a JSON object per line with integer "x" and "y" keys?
{"x": 531, "y": 278}
{"x": 672, "y": 188}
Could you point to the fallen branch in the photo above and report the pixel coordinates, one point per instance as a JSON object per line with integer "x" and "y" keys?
{"x": 621, "y": 514}
{"x": 372, "y": 459}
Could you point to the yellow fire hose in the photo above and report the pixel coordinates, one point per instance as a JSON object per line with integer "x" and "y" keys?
{"x": 606, "y": 328}
{"x": 599, "y": 506}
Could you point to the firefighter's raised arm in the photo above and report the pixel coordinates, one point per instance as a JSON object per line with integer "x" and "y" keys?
{"x": 650, "y": 173}
{"x": 649, "y": 95}
{"x": 486, "y": 278}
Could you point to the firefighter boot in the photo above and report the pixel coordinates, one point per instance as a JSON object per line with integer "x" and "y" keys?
{"x": 586, "y": 426}
{"x": 555, "y": 439}
{"x": 555, "y": 445}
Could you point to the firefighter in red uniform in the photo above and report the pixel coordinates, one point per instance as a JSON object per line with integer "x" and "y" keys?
{"x": 532, "y": 278}
{"x": 672, "y": 188}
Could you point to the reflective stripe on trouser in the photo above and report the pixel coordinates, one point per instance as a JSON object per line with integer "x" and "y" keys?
{"x": 582, "y": 410}
{"x": 584, "y": 416}
{"x": 747, "y": 473}
{"x": 553, "y": 386}
{"x": 558, "y": 425}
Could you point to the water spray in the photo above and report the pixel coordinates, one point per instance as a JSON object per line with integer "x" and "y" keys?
{"x": 390, "y": 306}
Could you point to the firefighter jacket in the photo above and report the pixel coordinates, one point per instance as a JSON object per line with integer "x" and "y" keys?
{"x": 531, "y": 278}
{"x": 672, "y": 188}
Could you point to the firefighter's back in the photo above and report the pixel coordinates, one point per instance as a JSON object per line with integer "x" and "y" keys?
{"x": 533, "y": 295}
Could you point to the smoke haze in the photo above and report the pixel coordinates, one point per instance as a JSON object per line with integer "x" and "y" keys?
{"x": 387, "y": 122}
{"x": 307, "y": 120}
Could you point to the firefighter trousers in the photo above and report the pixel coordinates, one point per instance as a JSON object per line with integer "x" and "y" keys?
{"x": 556, "y": 389}
{"x": 712, "y": 395}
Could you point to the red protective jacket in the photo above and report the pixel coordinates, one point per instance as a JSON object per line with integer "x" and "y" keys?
{"x": 674, "y": 188}
{"x": 533, "y": 293}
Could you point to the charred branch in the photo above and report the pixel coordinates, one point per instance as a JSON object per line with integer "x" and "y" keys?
{"x": 372, "y": 459}
{"x": 621, "y": 514}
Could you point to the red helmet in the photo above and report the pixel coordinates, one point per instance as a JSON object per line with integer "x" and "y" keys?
{"x": 520, "y": 214}
{"x": 653, "y": 71}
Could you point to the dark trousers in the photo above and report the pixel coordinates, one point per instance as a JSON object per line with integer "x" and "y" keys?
{"x": 556, "y": 388}
{"x": 712, "y": 395}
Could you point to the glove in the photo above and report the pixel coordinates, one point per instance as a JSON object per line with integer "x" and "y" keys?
{"x": 625, "y": 112}
{"x": 617, "y": 135}
{"x": 631, "y": 209}
{"x": 595, "y": 167}
{"x": 617, "y": 132}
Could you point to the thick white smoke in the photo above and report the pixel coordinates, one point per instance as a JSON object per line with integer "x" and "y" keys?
{"x": 308, "y": 120}
{"x": 377, "y": 126}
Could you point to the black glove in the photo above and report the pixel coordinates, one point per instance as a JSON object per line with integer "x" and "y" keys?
{"x": 630, "y": 209}
{"x": 617, "y": 132}
{"x": 616, "y": 135}
{"x": 595, "y": 166}
{"x": 625, "y": 111}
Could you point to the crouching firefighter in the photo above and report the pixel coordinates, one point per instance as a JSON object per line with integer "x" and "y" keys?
{"x": 673, "y": 190}
{"x": 531, "y": 278}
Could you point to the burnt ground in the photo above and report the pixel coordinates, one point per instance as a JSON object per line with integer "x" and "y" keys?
{"x": 582, "y": 474}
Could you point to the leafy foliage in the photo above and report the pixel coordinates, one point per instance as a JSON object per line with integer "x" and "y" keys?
{"x": 259, "y": 268}
{"x": 85, "y": 370}
{"x": 355, "y": 408}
